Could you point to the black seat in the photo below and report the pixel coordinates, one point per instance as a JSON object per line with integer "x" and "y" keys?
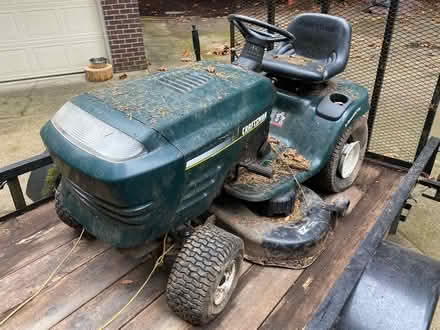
{"x": 320, "y": 51}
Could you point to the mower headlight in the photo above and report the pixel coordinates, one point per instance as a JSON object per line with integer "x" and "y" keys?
{"x": 94, "y": 136}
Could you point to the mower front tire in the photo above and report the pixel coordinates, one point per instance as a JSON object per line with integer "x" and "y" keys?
{"x": 205, "y": 274}
{"x": 330, "y": 178}
{"x": 65, "y": 216}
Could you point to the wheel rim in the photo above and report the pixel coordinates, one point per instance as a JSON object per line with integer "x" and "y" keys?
{"x": 350, "y": 158}
{"x": 225, "y": 284}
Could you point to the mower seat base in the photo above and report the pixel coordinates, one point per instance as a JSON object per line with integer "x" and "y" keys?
{"x": 320, "y": 51}
{"x": 305, "y": 70}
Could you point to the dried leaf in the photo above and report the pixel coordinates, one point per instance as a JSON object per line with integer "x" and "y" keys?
{"x": 222, "y": 51}
{"x": 163, "y": 68}
{"x": 320, "y": 68}
{"x": 307, "y": 283}
{"x": 185, "y": 53}
{"x": 123, "y": 76}
{"x": 299, "y": 60}
{"x": 273, "y": 140}
{"x": 211, "y": 69}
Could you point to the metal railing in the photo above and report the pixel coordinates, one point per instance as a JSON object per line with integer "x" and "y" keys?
{"x": 9, "y": 176}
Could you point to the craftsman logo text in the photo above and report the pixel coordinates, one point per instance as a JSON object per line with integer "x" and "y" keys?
{"x": 248, "y": 128}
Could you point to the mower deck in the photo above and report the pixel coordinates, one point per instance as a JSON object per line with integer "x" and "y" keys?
{"x": 98, "y": 280}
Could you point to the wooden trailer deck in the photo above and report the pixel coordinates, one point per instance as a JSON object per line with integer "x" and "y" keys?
{"x": 97, "y": 281}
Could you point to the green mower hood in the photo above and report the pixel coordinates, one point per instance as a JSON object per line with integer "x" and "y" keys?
{"x": 179, "y": 104}
{"x": 155, "y": 151}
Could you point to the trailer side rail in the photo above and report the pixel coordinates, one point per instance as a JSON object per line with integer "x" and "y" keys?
{"x": 9, "y": 175}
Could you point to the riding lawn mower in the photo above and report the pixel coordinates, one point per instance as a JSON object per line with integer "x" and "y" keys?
{"x": 225, "y": 158}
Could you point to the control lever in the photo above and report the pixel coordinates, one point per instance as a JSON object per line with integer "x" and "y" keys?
{"x": 255, "y": 168}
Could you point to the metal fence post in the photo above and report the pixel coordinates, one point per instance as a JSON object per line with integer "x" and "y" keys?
{"x": 232, "y": 32}
{"x": 270, "y": 11}
{"x": 324, "y": 6}
{"x": 270, "y": 15}
{"x": 386, "y": 45}
{"x": 429, "y": 121}
{"x": 232, "y": 36}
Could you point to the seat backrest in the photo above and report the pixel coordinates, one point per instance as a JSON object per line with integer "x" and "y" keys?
{"x": 321, "y": 37}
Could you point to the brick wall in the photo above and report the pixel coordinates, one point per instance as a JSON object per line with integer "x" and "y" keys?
{"x": 125, "y": 34}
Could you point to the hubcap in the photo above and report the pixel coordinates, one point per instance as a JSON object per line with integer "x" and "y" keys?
{"x": 225, "y": 284}
{"x": 350, "y": 158}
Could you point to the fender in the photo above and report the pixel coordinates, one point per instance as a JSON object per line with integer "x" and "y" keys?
{"x": 312, "y": 123}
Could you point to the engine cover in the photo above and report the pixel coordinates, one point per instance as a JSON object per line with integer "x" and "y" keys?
{"x": 189, "y": 106}
{"x": 142, "y": 157}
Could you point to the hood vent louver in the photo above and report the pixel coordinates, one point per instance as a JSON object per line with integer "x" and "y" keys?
{"x": 184, "y": 83}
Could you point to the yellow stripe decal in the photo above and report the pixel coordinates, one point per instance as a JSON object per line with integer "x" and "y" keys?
{"x": 221, "y": 147}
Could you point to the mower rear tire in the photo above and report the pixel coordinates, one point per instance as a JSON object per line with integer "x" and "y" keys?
{"x": 205, "y": 274}
{"x": 65, "y": 216}
{"x": 329, "y": 179}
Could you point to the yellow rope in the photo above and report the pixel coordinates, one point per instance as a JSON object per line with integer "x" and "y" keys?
{"x": 158, "y": 263}
{"x": 45, "y": 283}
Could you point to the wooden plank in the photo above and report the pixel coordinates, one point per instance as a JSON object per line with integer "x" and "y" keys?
{"x": 34, "y": 247}
{"x": 158, "y": 316}
{"x": 27, "y": 224}
{"x": 73, "y": 291}
{"x": 20, "y": 285}
{"x": 27, "y": 208}
{"x": 262, "y": 288}
{"x": 100, "y": 309}
{"x": 368, "y": 175}
{"x": 256, "y": 295}
{"x": 354, "y": 194}
{"x": 303, "y": 298}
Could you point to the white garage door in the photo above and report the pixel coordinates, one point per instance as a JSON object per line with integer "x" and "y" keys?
{"x": 47, "y": 37}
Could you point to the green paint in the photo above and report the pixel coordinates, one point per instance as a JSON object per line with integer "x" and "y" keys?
{"x": 181, "y": 117}
{"x": 200, "y": 116}
{"x": 311, "y": 135}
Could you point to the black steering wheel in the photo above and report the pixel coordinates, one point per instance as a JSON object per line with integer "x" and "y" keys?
{"x": 240, "y": 22}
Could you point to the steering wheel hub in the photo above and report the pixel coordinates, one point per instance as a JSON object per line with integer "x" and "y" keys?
{"x": 257, "y": 41}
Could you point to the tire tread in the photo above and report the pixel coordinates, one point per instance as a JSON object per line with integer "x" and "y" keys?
{"x": 195, "y": 271}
